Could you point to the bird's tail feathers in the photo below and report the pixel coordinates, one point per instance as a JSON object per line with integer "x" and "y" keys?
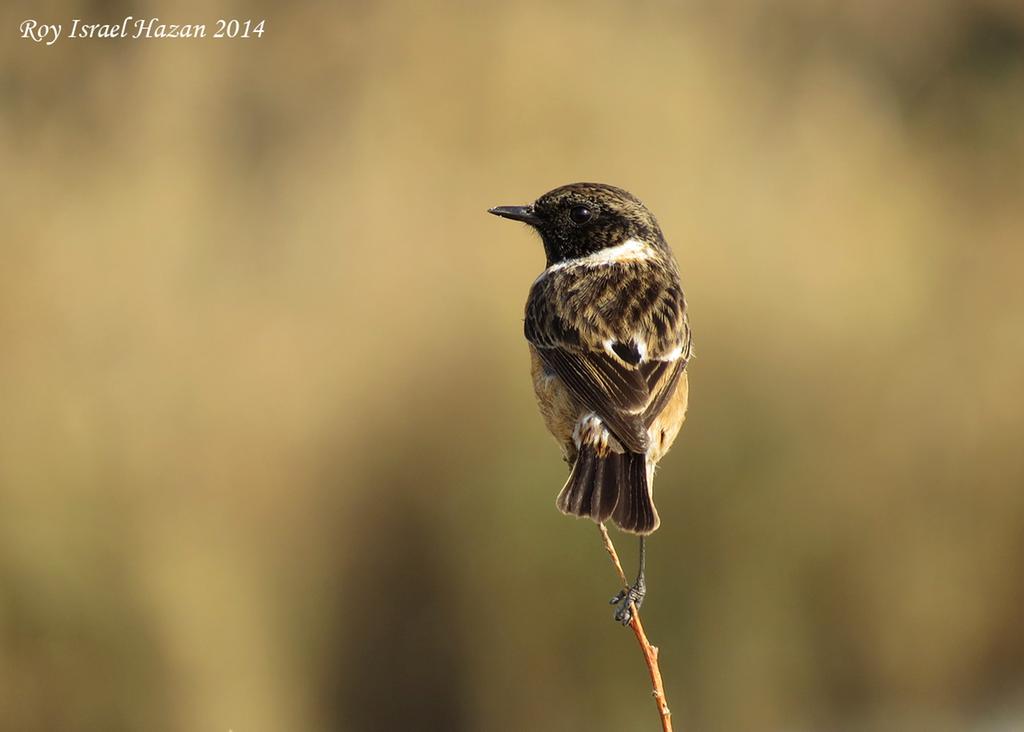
{"x": 613, "y": 485}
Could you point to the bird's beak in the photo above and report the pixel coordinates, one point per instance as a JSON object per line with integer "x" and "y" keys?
{"x": 516, "y": 213}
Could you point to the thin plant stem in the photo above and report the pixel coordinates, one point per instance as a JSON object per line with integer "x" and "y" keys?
{"x": 650, "y": 652}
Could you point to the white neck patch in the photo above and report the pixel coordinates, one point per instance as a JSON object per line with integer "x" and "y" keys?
{"x": 631, "y": 250}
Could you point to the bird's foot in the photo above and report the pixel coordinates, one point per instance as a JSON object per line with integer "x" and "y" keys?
{"x": 627, "y": 599}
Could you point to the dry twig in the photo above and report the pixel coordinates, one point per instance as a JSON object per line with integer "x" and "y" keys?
{"x": 650, "y": 652}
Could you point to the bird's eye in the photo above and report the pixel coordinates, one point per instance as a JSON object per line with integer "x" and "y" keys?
{"x": 580, "y": 214}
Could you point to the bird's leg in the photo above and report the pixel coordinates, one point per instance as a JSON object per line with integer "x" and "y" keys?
{"x": 634, "y": 594}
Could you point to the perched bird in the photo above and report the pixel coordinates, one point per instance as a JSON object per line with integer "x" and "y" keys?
{"x": 609, "y": 342}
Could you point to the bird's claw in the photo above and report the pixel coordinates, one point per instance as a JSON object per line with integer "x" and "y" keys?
{"x": 626, "y": 600}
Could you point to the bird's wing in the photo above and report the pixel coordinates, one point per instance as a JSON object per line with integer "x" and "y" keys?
{"x": 665, "y": 373}
{"x": 626, "y": 381}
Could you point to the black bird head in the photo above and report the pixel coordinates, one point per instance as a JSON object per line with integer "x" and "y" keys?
{"x": 583, "y": 218}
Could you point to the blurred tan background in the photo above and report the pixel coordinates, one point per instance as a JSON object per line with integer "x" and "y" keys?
{"x": 269, "y": 458}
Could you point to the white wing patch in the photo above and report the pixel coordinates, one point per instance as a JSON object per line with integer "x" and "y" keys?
{"x": 641, "y": 346}
{"x": 674, "y": 354}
